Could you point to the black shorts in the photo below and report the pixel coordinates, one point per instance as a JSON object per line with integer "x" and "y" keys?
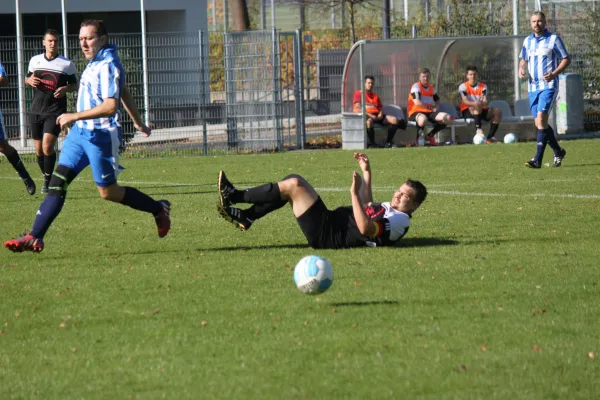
{"x": 484, "y": 116}
{"x": 41, "y": 124}
{"x": 430, "y": 116}
{"x": 326, "y": 229}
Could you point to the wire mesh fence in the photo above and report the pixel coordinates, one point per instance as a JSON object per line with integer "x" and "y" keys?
{"x": 209, "y": 93}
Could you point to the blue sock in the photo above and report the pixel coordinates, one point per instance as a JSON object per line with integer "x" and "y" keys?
{"x": 140, "y": 201}
{"x": 542, "y": 140}
{"x": 48, "y": 211}
{"x": 552, "y": 142}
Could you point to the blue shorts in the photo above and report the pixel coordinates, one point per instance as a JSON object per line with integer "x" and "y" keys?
{"x": 3, "y": 136}
{"x": 98, "y": 148}
{"x": 541, "y": 101}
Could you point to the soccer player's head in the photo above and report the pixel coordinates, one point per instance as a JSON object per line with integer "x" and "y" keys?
{"x": 409, "y": 196}
{"x": 50, "y": 41}
{"x": 424, "y": 75}
{"x": 92, "y": 37}
{"x": 472, "y": 74}
{"x": 538, "y": 22}
{"x": 369, "y": 82}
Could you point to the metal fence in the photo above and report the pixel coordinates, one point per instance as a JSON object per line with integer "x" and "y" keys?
{"x": 265, "y": 90}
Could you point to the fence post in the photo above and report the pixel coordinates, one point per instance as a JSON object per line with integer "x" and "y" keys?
{"x": 275, "y": 48}
{"x": 299, "y": 90}
{"x": 414, "y": 31}
{"x": 21, "y": 78}
{"x": 203, "y": 83}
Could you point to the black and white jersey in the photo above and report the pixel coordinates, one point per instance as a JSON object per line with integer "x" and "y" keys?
{"x": 55, "y": 73}
{"x": 391, "y": 224}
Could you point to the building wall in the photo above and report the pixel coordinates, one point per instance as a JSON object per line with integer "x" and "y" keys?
{"x": 185, "y": 15}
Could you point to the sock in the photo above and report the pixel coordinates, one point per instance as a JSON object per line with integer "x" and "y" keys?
{"x": 140, "y": 201}
{"x": 15, "y": 160}
{"x": 436, "y": 129}
{"x": 267, "y": 193}
{"x": 541, "y": 145}
{"x": 493, "y": 129}
{"x": 391, "y": 133}
{"x": 552, "y": 142}
{"x": 260, "y": 210}
{"x": 371, "y": 135}
{"x": 40, "y": 162}
{"x": 48, "y": 211}
{"x": 477, "y": 119}
{"x": 49, "y": 162}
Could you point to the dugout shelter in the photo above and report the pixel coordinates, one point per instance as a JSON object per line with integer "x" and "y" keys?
{"x": 394, "y": 63}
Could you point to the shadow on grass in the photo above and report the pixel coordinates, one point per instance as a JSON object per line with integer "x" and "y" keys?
{"x": 366, "y": 303}
{"x": 426, "y": 242}
{"x": 263, "y": 247}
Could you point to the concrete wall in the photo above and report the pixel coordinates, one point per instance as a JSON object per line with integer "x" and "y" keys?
{"x": 194, "y": 18}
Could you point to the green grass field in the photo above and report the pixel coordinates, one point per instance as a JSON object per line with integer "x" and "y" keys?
{"x": 493, "y": 293}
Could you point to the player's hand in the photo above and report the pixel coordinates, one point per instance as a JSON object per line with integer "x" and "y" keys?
{"x": 60, "y": 92}
{"x": 356, "y": 181}
{"x": 66, "y": 120}
{"x": 549, "y": 76}
{"x": 33, "y": 81}
{"x": 143, "y": 128}
{"x": 363, "y": 161}
{"x": 522, "y": 73}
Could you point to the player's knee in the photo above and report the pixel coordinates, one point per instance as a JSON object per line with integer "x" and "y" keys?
{"x": 293, "y": 183}
{"x": 5, "y": 148}
{"x": 60, "y": 180}
{"x": 48, "y": 150}
{"x": 392, "y": 120}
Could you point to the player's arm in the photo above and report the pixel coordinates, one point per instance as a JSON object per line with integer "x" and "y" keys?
{"x": 131, "y": 109}
{"x": 31, "y": 80}
{"x": 564, "y": 63}
{"x": 436, "y": 99}
{"x": 416, "y": 95}
{"x": 365, "y": 192}
{"x": 3, "y": 81}
{"x": 108, "y": 108}
{"x": 484, "y": 97}
{"x": 462, "y": 91}
{"x": 523, "y": 68}
{"x": 364, "y": 224}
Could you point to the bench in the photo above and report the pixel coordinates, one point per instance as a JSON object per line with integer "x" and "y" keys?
{"x": 353, "y": 133}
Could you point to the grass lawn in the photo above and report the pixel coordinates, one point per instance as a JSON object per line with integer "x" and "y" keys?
{"x": 492, "y": 294}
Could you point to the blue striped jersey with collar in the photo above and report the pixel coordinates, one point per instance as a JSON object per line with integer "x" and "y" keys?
{"x": 103, "y": 77}
{"x": 543, "y": 54}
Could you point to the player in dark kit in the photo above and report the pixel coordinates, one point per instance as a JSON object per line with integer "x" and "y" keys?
{"x": 9, "y": 151}
{"x": 51, "y": 76}
{"x": 363, "y": 224}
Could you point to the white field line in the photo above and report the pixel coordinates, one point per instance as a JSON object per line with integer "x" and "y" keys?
{"x": 375, "y": 188}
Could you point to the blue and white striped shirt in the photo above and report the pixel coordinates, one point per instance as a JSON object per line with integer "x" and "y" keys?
{"x": 2, "y": 70}
{"x": 104, "y": 77}
{"x": 543, "y": 54}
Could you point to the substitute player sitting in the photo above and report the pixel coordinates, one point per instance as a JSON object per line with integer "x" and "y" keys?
{"x": 423, "y": 105}
{"x": 364, "y": 223}
{"x": 474, "y": 104}
{"x": 375, "y": 115}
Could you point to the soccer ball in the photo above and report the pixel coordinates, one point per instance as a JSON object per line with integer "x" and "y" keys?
{"x": 510, "y": 138}
{"x": 313, "y": 275}
{"x": 479, "y": 138}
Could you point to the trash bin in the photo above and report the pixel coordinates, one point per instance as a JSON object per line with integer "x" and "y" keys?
{"x": 569, "y": 104}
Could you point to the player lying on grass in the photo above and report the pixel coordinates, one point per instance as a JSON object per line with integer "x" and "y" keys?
{"x": 362, "y": 223}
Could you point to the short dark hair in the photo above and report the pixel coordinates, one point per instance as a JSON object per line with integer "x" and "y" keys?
{"x": 471, "y": 68}
{"x": 96, "y": 23}
{"x": 424, "y": 71}
{"x": 539, "y": 13}
{"x": 371, "y": 77}
{"x": 52, "y": 32}
{"x": 419, "y": 188}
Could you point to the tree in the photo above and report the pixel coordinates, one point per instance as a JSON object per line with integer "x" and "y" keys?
{"x": 239, "y": 15}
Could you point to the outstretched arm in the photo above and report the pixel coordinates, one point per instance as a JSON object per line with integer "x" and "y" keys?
{"x": 365, "y": 192}
{"x": 132, "y": 110}
{"x": 364, "y": 224}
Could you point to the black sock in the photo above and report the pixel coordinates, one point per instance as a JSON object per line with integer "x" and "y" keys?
{"x": 267, "y": 193}
{"x": 391, "y": 133}
{"x": 477, "y": 119}
{"x": 49, "y": 162}
{"x": 436, "y": 128}
{"x": 493, "y": 129}
{"x": 140, "y": 201}
{"x": 40, "y": 162}
{"x": 371, "y": 135}
{"x": 552, "y": 142}
{"x": 15, "y": 160}
{"x": 260, "y": 210}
